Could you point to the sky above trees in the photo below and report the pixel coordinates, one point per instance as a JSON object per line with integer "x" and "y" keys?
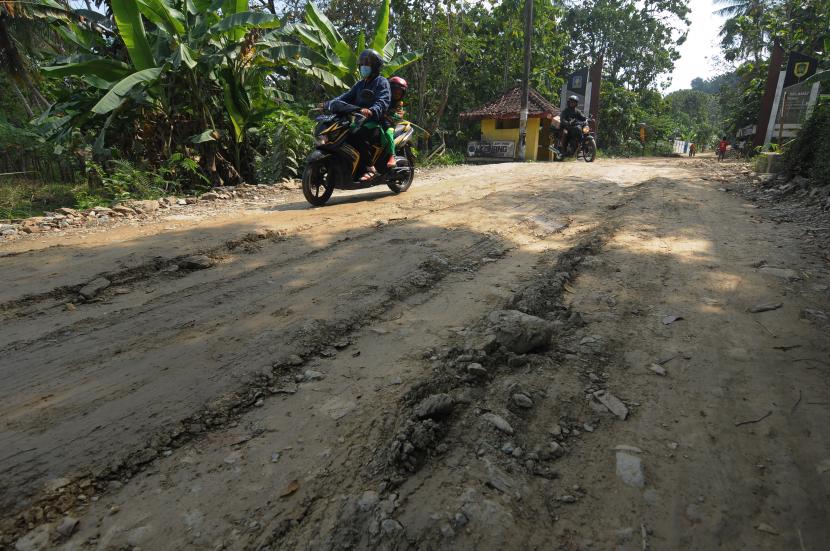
{"x": 696, "y": 54}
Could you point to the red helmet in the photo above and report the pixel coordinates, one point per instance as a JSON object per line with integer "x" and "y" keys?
{"x": 398, "y": 82}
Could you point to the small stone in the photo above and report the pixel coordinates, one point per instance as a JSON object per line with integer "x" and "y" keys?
{"x": 67, "y": 526}
{"x": 94, "y": 287}
{"x": 311, "y": 375}
{"x": 435, "y": 406}
{"x": 672, "y": 445}
{"x": 391, "y": 527}
{"x": 765, "y": 307}
{"x": 295, "y": 360}
{"x": 658, "y": 369}
{"x": 368, "y": 500}
{"x": 507, "y": 448}
{"x": 630, "y": 469}
{"x": 766, "y": 528}
{"x": 275, "y": 457}
{"x": 517, "y": 452}
{"x": 611, "y": 402}
{"x": 556, "y": 430}
{"x": 522, "y": 400}
{"x": 476, "y": 370}
{"x": 588, "y": 428}
{"x": 209, "y": 196}
{"x": 196, "y": 262}
{"x": 566, "y": 499}
{"x": 498, "y": 422}
{"x": 556, "y": 450}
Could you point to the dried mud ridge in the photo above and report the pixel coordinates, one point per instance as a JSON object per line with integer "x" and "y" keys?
{"x": 112, "y": 283}
{"x": 314, "y": 338}
{"x": 453, "y": 399}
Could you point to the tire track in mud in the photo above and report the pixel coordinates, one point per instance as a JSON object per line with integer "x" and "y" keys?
{"x": 231, "y": 406}
{"x": 357, "y": 520}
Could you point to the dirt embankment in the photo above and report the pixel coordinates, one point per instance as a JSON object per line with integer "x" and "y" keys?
{"x": 618, "y": 355}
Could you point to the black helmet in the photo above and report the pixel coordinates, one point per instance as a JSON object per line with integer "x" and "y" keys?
{"x": 374, "y": 60}
{"x": 573, "y": 98}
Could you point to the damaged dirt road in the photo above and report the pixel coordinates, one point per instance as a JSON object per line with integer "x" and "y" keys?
{"x": 621, "y": 355}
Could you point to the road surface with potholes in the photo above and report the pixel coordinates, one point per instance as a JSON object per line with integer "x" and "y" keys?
{"x": 624, "y": 354}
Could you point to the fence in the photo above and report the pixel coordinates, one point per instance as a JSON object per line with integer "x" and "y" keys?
{"x": 33, "y": 166}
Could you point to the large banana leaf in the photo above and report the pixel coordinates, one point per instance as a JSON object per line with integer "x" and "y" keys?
{"x": 183, "y": 55}
{"x": 230, "y": 7}
{"x": 388, "y": 51}
{"x": 115, "y": 96}
{"x": 382, "y": 27}
{"x": 245, "y": 20}
{"x": 235, "y": 111}
{"x": 107, "y": 69}
{"x": 297, "y": 53}
{"x": 399, "y": 62}
{"x": 163, "y": 15}
{"x": 328, "y": 32}
{"x": 131, "y": 29}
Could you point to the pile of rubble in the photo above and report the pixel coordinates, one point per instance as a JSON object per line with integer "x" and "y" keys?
{"x": 65, "y": 218}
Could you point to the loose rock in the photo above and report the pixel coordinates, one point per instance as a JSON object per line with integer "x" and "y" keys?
{"x": 519, "y": 332}
{"x": 766, "y": 307}
{"x": 435, "y": 406}
{"x": 630, "y": 469}
{"x": 612, "y": 403}
{"x": 196, "y": 262}
{"x": 94, "y": 287}
{"x": 498, "y": 422}
{"x": 522, "y": 400}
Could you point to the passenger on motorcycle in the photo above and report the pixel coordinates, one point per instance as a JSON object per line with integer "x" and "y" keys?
{"x": 570, "y": 125}
{"x": 370, "y": 64}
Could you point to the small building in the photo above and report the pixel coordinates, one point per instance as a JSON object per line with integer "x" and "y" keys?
{"x": 500, "y": 127}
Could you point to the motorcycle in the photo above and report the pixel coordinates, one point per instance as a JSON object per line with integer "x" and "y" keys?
{"x": 335, "y": 161}
{"x": 586, "y": 143}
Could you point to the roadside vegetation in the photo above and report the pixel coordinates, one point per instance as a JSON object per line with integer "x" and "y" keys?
{"x": 142, "y": 99}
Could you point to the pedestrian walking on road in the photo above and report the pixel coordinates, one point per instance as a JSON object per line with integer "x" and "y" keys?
{"x": 722, "y": 145}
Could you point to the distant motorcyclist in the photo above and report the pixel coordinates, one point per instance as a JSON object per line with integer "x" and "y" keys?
{"x": 370, "y": 64}
{"x": 571, "y": 120}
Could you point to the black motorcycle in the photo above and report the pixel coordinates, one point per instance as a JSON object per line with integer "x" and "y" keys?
{"x": 336, "y": 163}
{"x": 583, "y": 145}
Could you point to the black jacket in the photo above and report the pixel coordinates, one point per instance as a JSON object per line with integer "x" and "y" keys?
{"x": 568, "y": 116}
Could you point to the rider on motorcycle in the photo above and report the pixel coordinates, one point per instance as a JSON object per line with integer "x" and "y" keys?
{"x": 370, "y": 64}
{"x": 571, "y": 121}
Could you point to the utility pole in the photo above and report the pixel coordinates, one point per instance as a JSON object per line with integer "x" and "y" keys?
{"x": 525, "y": 78}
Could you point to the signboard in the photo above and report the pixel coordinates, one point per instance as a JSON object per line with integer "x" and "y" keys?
{"x": 799, "y": 68}
{"x": 576, "y": 85}
{"x": 499, "y": 149}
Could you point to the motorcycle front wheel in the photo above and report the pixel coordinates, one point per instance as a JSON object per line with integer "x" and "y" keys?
{"x": 589, "y": 151}
{"x": 400, "y": 187}
{"x": 318, "y": 183}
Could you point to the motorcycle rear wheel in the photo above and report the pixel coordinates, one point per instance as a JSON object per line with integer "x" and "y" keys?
{"x": 400, "y": 187}
{"x": 589, "y": 151}
{"x": 318, "y": 184}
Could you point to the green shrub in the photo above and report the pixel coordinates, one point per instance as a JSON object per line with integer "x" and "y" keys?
{"x": 281, "y": 142}
{"x": 807, "y": 154}
{"x": 447, "y": 158}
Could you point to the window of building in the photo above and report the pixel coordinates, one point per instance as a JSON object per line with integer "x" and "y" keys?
{"x": 507, "y": 124}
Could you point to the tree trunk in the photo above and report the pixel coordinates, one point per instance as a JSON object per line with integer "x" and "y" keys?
{"x": 22, "y": 99}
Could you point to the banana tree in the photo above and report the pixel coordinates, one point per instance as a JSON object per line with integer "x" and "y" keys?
{"x": 190, "y": 66}
{"x": 317, "y": 49}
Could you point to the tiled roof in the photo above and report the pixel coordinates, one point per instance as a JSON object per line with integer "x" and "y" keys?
{"x": 509, "y": 104}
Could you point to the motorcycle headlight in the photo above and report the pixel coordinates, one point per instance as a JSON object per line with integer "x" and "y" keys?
{"x": 322, "y": 139}
{"x": 585, "y": 129}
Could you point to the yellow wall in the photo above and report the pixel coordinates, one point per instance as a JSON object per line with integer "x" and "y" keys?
{"x": 489, "y": 133}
